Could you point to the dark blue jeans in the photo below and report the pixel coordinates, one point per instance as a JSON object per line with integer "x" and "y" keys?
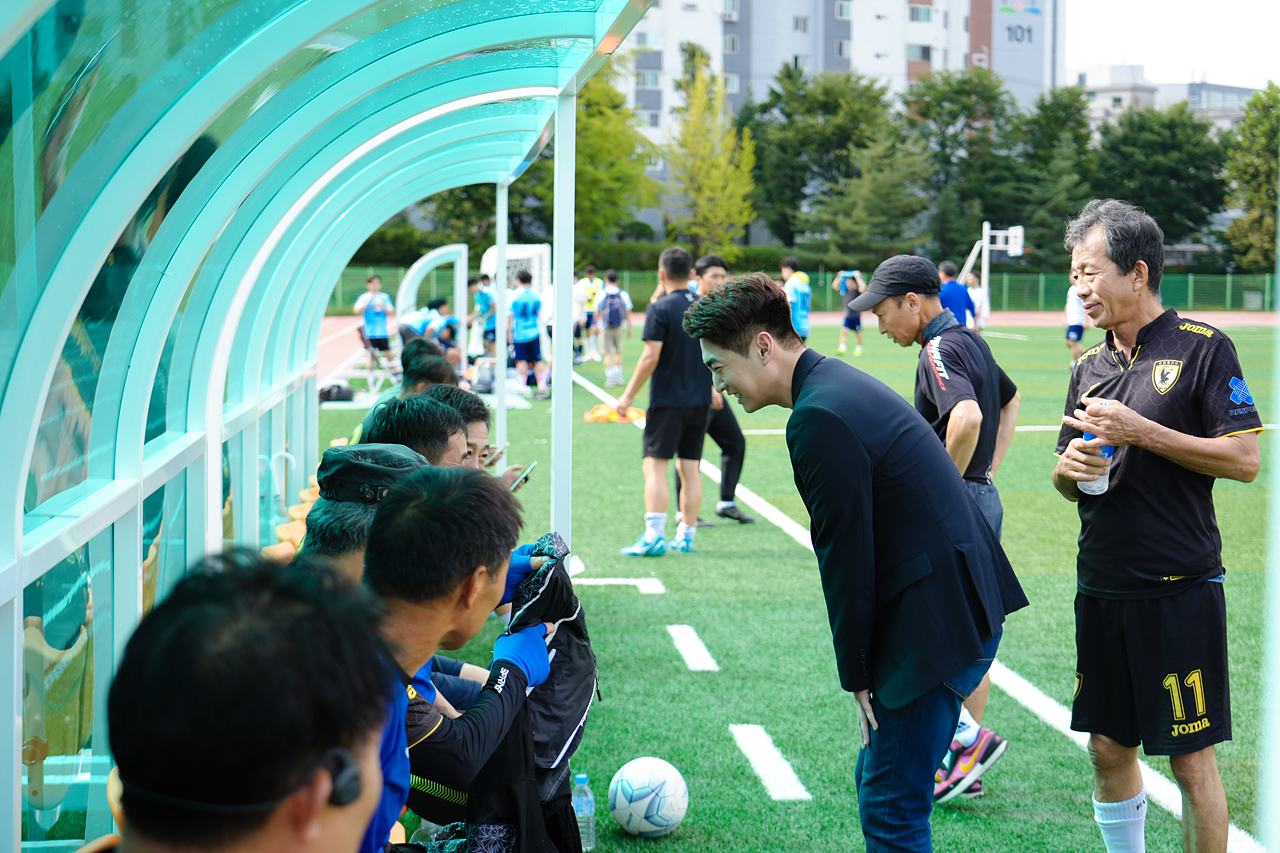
{"x": 988, "y": 499}
{"x": 894, "y": 775}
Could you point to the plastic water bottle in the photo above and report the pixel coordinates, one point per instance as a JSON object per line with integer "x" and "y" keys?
{"x": 584, "y": 806}
{"x": 1098, "y": 486}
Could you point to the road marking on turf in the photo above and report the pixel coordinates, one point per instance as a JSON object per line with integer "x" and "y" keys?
{"x": 645, "y": 586}
{"x": 773, "y": 769}
{"x": 692, "y": 649}
{"x": 1160, "y": 790}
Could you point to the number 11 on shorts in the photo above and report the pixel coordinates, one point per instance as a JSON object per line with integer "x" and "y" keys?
{"x": 1193, "y": 680}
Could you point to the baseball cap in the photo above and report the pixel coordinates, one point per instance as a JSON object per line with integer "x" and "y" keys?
{"x": 896, "y": 276}
{"x": 364, "y": 473}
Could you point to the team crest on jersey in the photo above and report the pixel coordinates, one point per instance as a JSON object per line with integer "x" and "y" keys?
{"x": 1165, "y": 373}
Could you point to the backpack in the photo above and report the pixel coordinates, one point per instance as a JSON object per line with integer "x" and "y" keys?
{"x": 614, "y": 310}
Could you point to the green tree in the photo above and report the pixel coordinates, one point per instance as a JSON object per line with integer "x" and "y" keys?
{"x": 967, "y": 120}
{"x": 862, "y": 220}
{"x": 693, "y": 58}
{"x": 1056, "y": 194}
{"x": 611, "y": 156}
{"x": 1166, "y": 162}
{"x": 1252, "y": 172}
{"x": 1057, "y": 112}
{"x": 711, "y": 171}
{"x": 805, "y": 131}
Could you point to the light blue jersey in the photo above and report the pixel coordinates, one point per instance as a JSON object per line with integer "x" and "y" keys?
{"x": 524, "y": 308}
{"x": 484, "y": 302}
{"x": 375, "y": 314}
{"x": 800, "y": 295}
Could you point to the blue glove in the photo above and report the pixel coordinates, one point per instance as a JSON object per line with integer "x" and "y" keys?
{"x": 517, "y": 571}
{"x": 526, "y": 649}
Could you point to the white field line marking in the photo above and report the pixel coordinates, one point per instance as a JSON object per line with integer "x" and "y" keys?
{"x": 1010, "y": 335}
{"x": 337, "y": 371}
{"x": 645, "y": 586}
{"x": 345, "y": 330}
{"x": 770, "y": 765}
{"x": 750, "y": 498}
{"x": 1160, "y": 789}
{"x": 1163, "y": 792}
{"x": 692, "y": 649}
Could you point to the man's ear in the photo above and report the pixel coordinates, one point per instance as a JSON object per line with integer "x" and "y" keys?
{"x": 1141, "y": 275}
{"x": 472, "y": 586}
{"x": 303, "y": 810}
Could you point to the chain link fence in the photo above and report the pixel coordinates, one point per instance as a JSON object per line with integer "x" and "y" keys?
{"x": 1009, "y": 291}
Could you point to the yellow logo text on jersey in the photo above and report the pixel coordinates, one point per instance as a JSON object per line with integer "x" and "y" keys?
{"x": 1189, "y": 728}
{"x": 1165, "y": 373}
{"x": 1199, "y": 330}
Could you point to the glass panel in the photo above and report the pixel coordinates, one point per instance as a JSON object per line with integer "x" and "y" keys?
{"x": 67, "y": 664}
{"x": 164, "y": 549}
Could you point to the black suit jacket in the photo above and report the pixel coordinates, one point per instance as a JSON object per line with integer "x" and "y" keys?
{"x": 914, "y": 578}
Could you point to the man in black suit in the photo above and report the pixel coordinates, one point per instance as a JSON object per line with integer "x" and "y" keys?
{"x": 916, "y": 584}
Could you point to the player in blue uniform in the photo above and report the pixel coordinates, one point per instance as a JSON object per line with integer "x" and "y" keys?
{"x": 799, "y": 296}
{"x": 523, "y": 333}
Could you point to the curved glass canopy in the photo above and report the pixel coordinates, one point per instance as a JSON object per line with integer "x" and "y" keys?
{"x": 181, "y": 183}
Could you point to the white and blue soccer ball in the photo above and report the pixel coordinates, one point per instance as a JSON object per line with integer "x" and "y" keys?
{"x": 648, "y": 797}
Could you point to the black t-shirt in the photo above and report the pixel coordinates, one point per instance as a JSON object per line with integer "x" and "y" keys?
{"x": 956, "y": 365}
{"x": 1154, "y": 532}
{"x": 680, "y": 379}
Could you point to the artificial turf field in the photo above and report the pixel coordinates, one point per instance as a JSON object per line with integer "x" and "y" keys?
{"x": 753, "y": 596}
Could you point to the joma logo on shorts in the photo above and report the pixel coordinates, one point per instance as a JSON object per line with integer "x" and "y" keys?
{"x": 1189, "y": 728}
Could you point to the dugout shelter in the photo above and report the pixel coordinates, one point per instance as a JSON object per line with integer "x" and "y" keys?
{"x": 181, "y": 184}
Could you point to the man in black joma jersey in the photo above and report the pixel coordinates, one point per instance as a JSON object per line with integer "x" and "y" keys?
{"x": 1151, "y": 636}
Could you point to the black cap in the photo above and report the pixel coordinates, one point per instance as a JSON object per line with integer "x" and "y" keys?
{"x": 896, "y": 276}
{"x": 364, "y": 473}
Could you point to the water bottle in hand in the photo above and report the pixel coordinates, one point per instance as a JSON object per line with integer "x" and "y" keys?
{"x": 1098, "y": 486}
{"x": 584, "y": 806}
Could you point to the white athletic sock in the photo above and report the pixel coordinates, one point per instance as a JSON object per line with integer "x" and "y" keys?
{"x": 967, "y": 728}
{"x": 723, "y": 505}
{"x": 684, "y": 531}
{"x": 1123, "y": 824}
{"x": 655, "y": 526}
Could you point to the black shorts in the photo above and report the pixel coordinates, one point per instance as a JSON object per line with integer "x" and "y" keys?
{"x": 853, "y": 320}
{"x": 380, "y": 344}
{"x": 675, "y": 433}
{"x": 1154, "y": 670}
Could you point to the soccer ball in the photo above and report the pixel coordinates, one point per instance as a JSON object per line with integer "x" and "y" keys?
{"x": 648, "y": 797}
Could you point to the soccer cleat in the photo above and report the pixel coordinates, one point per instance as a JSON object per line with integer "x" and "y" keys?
{"x": 644, "y": 548}
{"x": 857, "y": 350}
{"x": 683, "y": 545}
{"x": 841, "y": 349}
{"x": 964, "y": 764}
{"x": 736, "y": 514}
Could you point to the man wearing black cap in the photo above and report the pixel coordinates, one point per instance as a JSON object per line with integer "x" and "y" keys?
{"x": 973, "y": 407}
{"x": 916, "y": 585}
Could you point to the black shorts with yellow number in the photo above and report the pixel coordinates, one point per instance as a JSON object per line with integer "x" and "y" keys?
{"x": 676, "y": 432}
{"x": 1154, "y": 670}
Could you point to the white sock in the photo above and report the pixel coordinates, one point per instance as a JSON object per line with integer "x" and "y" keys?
{"x": 967, "y": 728}
{"x": 684, "y": 531}
{"x": 655, "y": 526}
{"x": 723, "y": 505}
{"x": 1123, "y": 824}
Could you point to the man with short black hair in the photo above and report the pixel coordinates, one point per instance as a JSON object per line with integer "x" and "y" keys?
{"x": 799, "y": 295}
{"x": 916, "y": 585}
{"x": 476, "y": 414}
{"x": 613, "y": 316}
{"x": 710, "y": 273}
{"x": 676, "y": 420}
{"x": 524, "y": 333}
{"x": 955, "y": 296}
{"x": 1151, "y": 635}
{"x": 438, "y": 556}
{"x": 972, "y": 405}
{"x": 246, "y": 712}
{"x": 423, "y": 366}
{"x": 424, "y": 425}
